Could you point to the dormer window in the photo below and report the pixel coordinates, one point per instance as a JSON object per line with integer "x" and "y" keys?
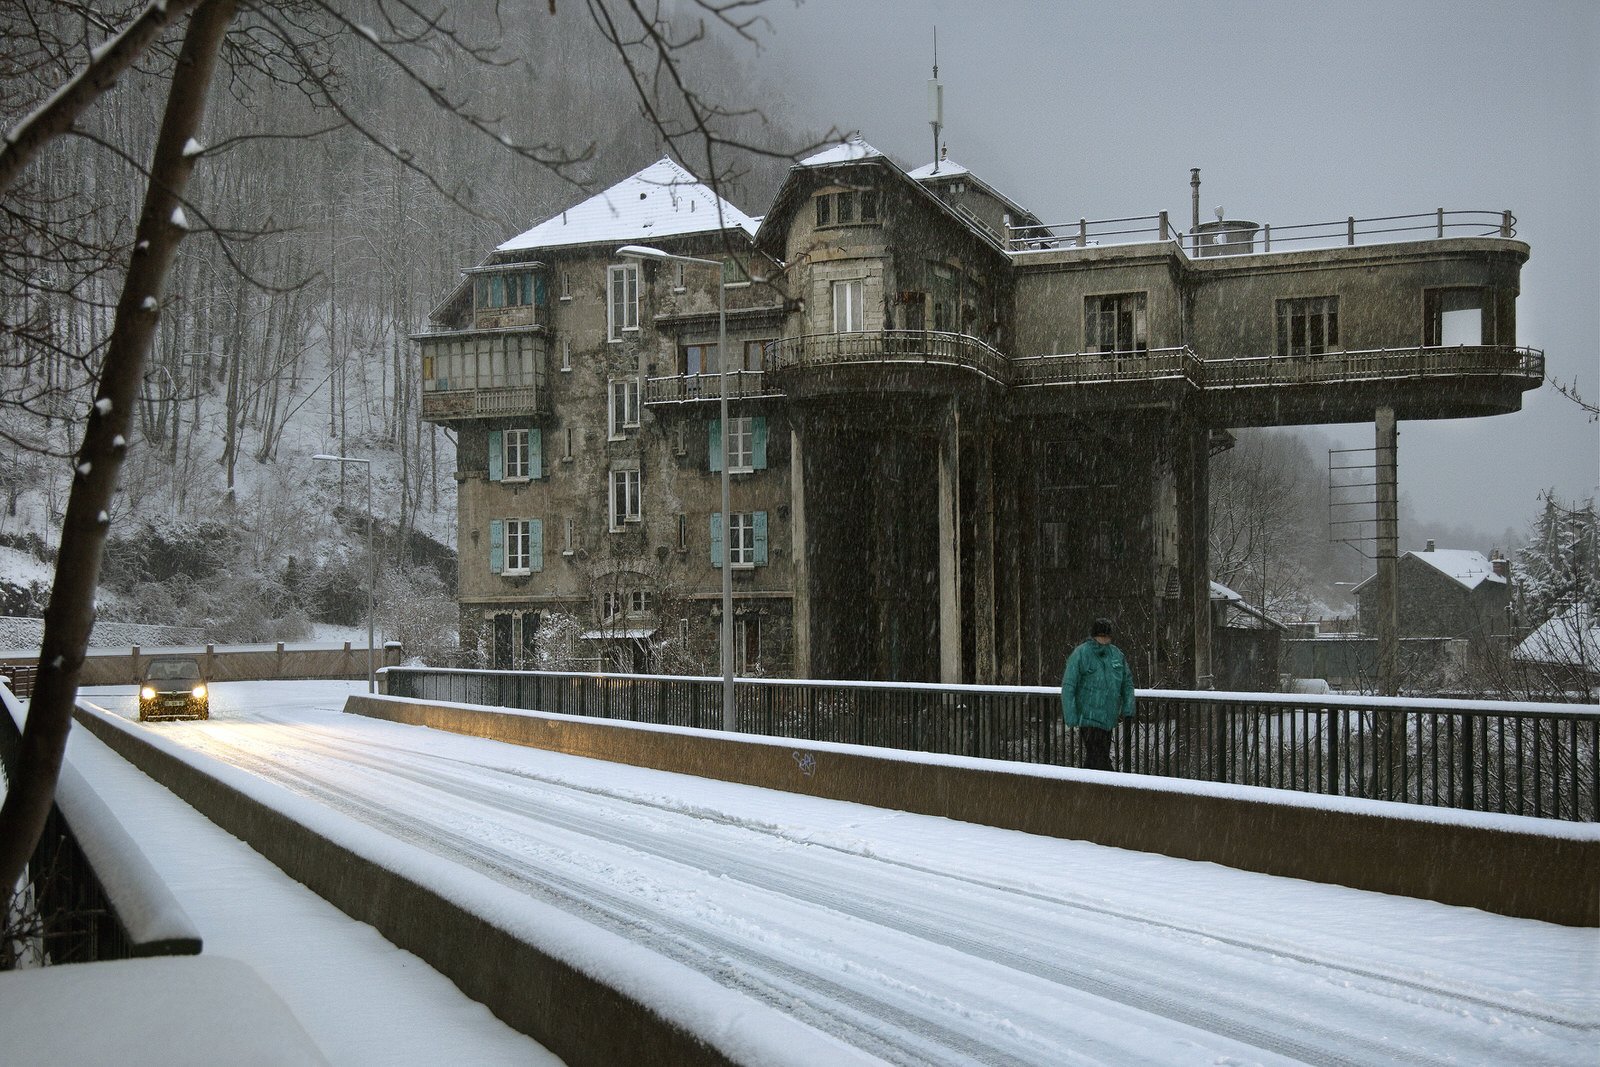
{"x": 850, "y": 207}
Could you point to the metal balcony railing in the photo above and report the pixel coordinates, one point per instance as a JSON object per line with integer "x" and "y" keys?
{"x": 1230, "y": 241}
{"x": 686, "y": 388}
{"x": 1521, "y": 759}
{"x": 1091, "y": 367}
{"x": 1387, "y": 364}
{"x": 892, "y": 346}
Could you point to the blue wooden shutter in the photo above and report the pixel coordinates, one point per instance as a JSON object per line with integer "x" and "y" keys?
{"x": 535, "y": 453}
{"x": 716, "y": 538}
{"x": 759, "y": 450}
{"x": 496, "y": 456}
{"x": 536, "y": 544}
{"x": 716, "y": 444}
{"x": 761, "y": 538}
{"x": 497, "y": 546}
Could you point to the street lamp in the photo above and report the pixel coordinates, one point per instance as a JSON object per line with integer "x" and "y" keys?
{"x": 372, "y": 564}
{"x": 641, "y": 252}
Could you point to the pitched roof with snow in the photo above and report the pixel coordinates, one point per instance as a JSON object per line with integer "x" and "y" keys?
{"x": 663, "y": 200}
{"x": 945, "y": 168}
{"x": 1570, "y": 637}
{"x": 1463, "y": 565}
{"x": 850, "y": 151}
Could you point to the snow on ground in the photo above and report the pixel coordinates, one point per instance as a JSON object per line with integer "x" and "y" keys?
{"x": 361, "y": 999}
{"x": 913, "y": 939}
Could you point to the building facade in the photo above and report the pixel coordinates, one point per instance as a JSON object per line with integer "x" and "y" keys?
{"x": 956, "y": 435}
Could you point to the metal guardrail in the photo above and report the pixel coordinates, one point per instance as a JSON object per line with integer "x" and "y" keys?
{"x": 1349, "y": 231}
{"x": 1088, "y": 367}
{"x": 1521, "y": 759}
{"x": 1375, "y": 364}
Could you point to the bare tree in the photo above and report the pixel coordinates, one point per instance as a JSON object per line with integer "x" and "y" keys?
{"x": 285, "y": 44}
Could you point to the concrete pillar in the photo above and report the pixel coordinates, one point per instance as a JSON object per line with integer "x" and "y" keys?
{"x": 1387, "y": 481}
{"x": 949, "y": 447}
{"x": 984, "y": 667}
{"x": 1008, "y": 560}
{"x": 1199, "y": 443}
{"x": 797, "y": 540}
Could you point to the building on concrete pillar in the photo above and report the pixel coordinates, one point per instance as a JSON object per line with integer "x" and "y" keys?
{"x": 961, "y": 434}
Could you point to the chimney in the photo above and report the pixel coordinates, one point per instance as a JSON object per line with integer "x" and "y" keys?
{"x": 1501, "y": 565}
{"x": 1430, "y": 545}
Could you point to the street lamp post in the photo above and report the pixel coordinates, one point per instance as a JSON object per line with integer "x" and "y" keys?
{"x": 640, "y": 252}
{"x": 372, "y": 563}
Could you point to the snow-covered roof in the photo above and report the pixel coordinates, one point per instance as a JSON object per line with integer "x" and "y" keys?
{"x": 663, "y": 200}
{"x": 1570, "y": 637}
{"x": 947, "y": 168}
{"x": 1221, "y": 594}
{"x": 1464, "y": 565}
{"x": 844, "y": 152}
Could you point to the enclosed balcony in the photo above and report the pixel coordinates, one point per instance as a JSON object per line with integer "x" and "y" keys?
{"x": 472, "y": 374}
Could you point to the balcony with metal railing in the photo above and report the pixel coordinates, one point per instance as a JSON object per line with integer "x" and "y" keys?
{"x": 692, "y": 388}
{"x": 895, "y": 360}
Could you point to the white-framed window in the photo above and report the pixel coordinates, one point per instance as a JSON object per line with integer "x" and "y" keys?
{"x": 638, "y": 602}
{"x": 847, "y": 306}
{"x": 566, "y": 286}
{"x": 742, "y": 539}
{"x": 677, "y": 277}
{"x": 741, "y": 444}
{"x": 623, "y": 306}
{"x": 683, "y": 532}
{"x": 567, "y": 550}
{"x": 1455, "y": 316}
{"x": 519, "y": 541}
{"x": 622, "y": 408}
{"x": 755, "y": 353}
{"x": 1308, "y": 325}
{"x": 516, "y": 454}
{"x": 615, "y": 602}
{"x": 567, "y": 455}
{"x": 566, "y": 353}
{"x": 610, "y": 603}
{"x": 625, "y": 505}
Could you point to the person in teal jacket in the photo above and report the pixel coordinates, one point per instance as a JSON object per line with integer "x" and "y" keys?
{"x": 1096, "y": 691}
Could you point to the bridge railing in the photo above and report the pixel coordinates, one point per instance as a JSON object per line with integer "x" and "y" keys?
{"x": 1520, "y": 759}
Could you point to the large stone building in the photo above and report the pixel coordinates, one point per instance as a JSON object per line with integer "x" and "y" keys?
{"x": 956, "y": 435}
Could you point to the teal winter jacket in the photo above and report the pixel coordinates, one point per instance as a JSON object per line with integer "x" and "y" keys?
{"x": 1096, "y": 687}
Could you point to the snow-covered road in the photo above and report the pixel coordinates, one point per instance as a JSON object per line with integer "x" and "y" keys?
{"x": 923, "y": 941}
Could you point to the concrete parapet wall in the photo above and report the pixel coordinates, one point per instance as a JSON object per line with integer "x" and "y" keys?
{"x": 1543, "y": 871}
{"x": 228, "y": 664}
{"x": 579, "y": 1018}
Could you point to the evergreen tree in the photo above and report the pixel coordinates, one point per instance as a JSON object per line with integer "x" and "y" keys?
{"x": 1560, "y": 565}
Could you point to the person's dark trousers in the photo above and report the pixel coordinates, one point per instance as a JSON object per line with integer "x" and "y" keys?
{"x": 1096, "y": 748}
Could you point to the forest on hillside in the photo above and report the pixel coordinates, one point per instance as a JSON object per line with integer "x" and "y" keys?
{"x": 336, "y": 199}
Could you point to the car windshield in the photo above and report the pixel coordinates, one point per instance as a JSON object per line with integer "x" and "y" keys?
{"x": 166, "y": 670}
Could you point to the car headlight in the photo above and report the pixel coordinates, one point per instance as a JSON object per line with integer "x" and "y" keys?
{"x": 147, "y": 693}
{"x": 199, "y": 691}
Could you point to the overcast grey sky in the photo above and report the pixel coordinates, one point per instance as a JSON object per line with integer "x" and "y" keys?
{"x": 1295, "y": 113}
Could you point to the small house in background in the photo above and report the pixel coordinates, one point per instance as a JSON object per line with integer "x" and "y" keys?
{"x": 1564, "y": 650}
{"x": 1445, "y": 592}
{"x": 1245, "y": 643}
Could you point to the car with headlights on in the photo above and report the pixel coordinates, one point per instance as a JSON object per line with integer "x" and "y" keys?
{"x": 173, "y": 688}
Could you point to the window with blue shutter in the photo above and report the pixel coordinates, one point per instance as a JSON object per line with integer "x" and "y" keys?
{"x": 497, "y": 546}
{"x": 715, "y": 444}
{"x": 716, "y": 538}
{"x": 535, "y": 453}
{"x": 760, "y": 449}
{"x": 536, "y": 543}
{"x": 761, "y": 539}
{"x": 496, "y": 458}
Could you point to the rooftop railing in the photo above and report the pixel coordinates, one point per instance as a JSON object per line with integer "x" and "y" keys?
{"x": 1520, "y": 759}
{"x": 1228, "y": 238}
{"x": 1375, "y": 364}
{"x": 1090, "y": 367}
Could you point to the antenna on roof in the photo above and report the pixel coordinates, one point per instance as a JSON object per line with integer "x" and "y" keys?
{"x": 935, "y": 101}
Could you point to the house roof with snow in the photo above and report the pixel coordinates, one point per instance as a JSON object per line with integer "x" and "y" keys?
{"x": 663, "y": 200}
{"x": 949, "y": 170}
{"x": 851, "y": 153}
{"x": 1221, "y": 594}
{"x": 1571, "y": 637}
{"x": 1463, "y": 565}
